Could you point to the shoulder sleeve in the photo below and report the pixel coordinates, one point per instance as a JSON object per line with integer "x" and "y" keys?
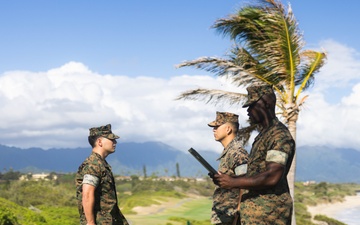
{"x": 92, "y": 167}
{"x": 240, "y": 161}
{"x": 91, "y": 179}
{"x": 282, "y": 148}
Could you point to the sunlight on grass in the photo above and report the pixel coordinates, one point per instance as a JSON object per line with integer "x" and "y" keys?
{"x": 188, "y": 208}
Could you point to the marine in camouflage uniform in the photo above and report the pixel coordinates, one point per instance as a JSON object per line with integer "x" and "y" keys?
{"x": 268, "y": 199}
{"x": 233, "y": 161}
{"x": 272, "y": 205}
{"x": 95, "y": 171}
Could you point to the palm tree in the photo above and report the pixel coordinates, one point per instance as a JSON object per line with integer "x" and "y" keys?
{"x": 268, "y": 47}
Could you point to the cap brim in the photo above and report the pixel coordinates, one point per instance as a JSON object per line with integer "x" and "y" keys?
{"x": 213, "y": 124}
{"x": 116, "y": 137}
{"x": 111, "y": 136}
{"x": 247, "y": 104}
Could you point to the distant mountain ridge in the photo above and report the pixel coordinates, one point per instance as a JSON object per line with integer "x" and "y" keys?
{"x": 130, "y": 158}
{"x": 321, "y": 163}
{"x": 313, "y": 163}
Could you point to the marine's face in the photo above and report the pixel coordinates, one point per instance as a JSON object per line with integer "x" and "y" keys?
{"x": 219, "y": 132}
{"x": 256, "y": 112}
{"x": 109, "y": 145}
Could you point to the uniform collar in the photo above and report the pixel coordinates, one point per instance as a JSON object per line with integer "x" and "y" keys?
{"x": 226, "y": 149}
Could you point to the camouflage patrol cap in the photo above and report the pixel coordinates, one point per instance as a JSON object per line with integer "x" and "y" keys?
{"x": 255, "y": 92}
{"x": 103, "y": 131}
{"x": 224, "y": 117}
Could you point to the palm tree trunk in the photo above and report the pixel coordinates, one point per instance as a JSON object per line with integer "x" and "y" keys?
{"x": 291, "y": 174}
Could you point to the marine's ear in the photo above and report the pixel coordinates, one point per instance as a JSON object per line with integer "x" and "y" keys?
{"x": 228, "y": 129}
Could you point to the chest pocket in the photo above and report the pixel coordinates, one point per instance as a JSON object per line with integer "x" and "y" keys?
{"x": 106, "y": 177}
{"x": 257, "y": 158}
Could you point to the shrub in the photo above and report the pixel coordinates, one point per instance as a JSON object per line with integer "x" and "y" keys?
{"x": 328, "y": 220}
{"x": 7, "y": 217}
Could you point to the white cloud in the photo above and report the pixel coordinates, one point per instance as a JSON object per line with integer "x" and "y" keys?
{"x": 342, "y": 66}
{"x": 55, "y": 109}
{"x": 330, "y": 114}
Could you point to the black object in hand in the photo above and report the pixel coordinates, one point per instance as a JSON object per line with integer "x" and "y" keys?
{"x": 211, "y": 175}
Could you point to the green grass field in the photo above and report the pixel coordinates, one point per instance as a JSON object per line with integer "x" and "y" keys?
{"x": 175, "y": 212}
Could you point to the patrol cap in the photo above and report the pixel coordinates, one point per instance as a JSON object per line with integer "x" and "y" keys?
{"x": 255, "y": 92}
{"x": 224, "y": 117}
{"x": 103, "y": 131}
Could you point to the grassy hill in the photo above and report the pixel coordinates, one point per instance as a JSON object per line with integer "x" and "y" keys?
{"x": 11, "y": 213}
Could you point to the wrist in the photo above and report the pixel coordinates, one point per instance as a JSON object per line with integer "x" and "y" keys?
{"x": 232, "y": 182}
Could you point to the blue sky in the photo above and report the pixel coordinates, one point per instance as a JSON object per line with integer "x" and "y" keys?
{"x": 69, "y": 65}
{"x": 135, "y": 38}
{"x": 141, "y": 38}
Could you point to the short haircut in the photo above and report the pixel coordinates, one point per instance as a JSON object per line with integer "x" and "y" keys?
{"x": 235, "y": 126}
{"x": 92, "y": 140}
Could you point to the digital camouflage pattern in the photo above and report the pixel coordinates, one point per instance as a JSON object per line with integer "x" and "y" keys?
{"x": 272, "y": 205}
{"x": 106, "y": 208}
{"x": 224, "y": 117}
{"x": 103, "y": 131}
{"x": 225, "y": 201}
{"x": 255, "y": 92}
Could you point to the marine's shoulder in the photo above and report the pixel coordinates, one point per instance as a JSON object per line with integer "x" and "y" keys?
{"x": 237, "y": 145}
{"x": 95, "y": 157}
{"x": 279, "y": 128}
{"x": 93, "y": 160}
{"x": 236, "y": 148}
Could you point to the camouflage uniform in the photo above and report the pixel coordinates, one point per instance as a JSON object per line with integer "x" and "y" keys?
{"x": 273, "y": 144}
{"x": 225, "y": 201}
{"x": 272, "y": 205}
{"x": 106, "y": 208}
{"x": 233, "y": 161}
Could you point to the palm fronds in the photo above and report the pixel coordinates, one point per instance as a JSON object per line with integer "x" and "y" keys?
{"x": 213, "y": 96}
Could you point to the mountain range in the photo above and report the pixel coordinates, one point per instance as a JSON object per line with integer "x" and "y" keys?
{"x": 314, "y": 163}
